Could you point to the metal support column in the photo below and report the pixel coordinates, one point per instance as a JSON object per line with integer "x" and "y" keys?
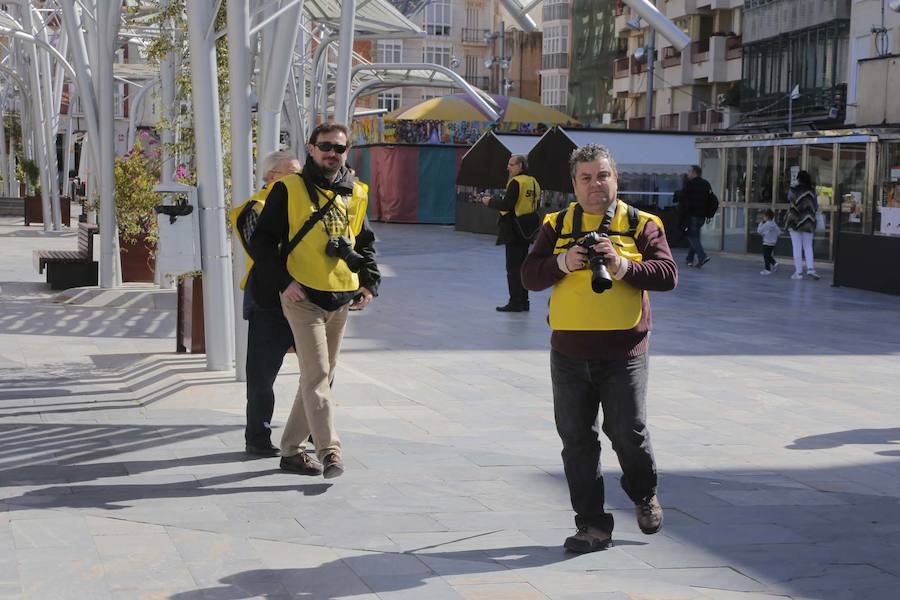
{"x": 345, "y": 59}
{"x": 651, "y": 60}
{"x": 108, "y": 14}
{"x": 217, "y": 285}
{"x": 39, "y": 129}
{"x": 241, "y": 159}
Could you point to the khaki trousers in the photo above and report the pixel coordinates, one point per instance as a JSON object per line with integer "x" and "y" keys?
{"x": 317, "y": 340}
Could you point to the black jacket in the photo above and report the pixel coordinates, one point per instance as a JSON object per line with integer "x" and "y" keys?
{"x": 693, "y": 197}
{"x": 270, "y": 275}
{"x": 507, "y": 232}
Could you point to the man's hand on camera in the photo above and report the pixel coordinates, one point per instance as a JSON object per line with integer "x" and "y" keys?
{"x": 611, "y": 259}
{"x": 485, "y": 199}
{"x": 294, "y": 292}
{"x": 575, "y": 258}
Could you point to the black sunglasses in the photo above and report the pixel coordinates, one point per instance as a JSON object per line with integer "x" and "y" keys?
{"x": 328, "y": 147}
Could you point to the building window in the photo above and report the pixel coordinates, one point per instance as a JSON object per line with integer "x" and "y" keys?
{"x": 554, "y": 89}
{"x": 555, "y": 10}
{"x": 389, "y": 51}
{"x": 437, "y": 18}
{"x": 556, "y": 39}
{"x": 439, "y": 55}
{"x": 390, "y": 100}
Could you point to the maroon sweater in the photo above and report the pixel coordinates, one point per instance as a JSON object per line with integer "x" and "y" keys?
{"x": 656, "y": 272}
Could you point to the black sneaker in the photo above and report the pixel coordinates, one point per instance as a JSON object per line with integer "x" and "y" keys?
{"x": 588, "y": 539}
{"x": 266, "y": 449}
{"x": 649, "y": 514}
{"x": 302, "y": 464}
{"x": 514, "y": 307}
{"x": 334, "y": 466}
{"x": 702, "y": 262}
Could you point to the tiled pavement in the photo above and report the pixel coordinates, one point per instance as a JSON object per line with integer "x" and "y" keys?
{"x": 773, "y": 406}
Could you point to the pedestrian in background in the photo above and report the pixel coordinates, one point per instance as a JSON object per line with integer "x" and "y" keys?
{"x": 769, "y": 230}
{"x": 801, "y": 224}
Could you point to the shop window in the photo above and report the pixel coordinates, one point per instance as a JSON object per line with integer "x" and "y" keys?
{"x": 762, "y": 178}
{"x": 735, "y": 175}
{"x": 851, "y": 181}
{"x": 789, "y": 166}
{"x": 886, "y": 218}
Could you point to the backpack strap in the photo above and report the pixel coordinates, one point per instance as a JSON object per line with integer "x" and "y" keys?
{"x": 634, "y": 221}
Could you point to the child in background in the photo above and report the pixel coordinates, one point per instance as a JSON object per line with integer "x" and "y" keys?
{"x": 769, "y": 231}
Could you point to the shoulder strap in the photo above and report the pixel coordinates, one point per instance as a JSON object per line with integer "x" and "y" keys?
{"x": 560, "y": 219}
{"x": 313, "y": 218}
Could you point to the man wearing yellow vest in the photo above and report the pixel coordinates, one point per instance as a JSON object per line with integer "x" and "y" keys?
{"x": 516, "y": 226}
{"x": 314, "y": 249}
{"x": 268, "y": 334}
{"x": 600, "y": 317}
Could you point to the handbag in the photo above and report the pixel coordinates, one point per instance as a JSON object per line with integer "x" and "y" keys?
{"x": 820, "y": 222}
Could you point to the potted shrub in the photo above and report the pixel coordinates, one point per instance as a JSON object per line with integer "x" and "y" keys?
{"x": 137, "y": 172}
{"x": 28, "y": 171}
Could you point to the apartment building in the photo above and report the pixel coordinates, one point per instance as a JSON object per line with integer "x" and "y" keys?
{"x": 873, "y": 84}
{"x": 796, "y": 57}
{"x": 696, "y": 89}
{"x": 464, "y": 36}
{"x": 555, "y": 53}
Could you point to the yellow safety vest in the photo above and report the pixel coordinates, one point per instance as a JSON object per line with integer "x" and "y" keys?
{"x": 307, "y": 263}
{"x": 529, "y": 195}
{"x": 574, "y": 306}
{"x": 259, "y": 200}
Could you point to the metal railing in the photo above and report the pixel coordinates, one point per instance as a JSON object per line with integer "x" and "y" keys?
{"x": 474, "y": 36}
{"x": 700, "y": 51}
{"x": 733, "y": 47}
{"x": 620, "y": 67}
{"x": 671, "y": 57}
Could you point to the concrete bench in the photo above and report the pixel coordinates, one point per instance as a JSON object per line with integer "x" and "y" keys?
{"x": 70, "y": 268}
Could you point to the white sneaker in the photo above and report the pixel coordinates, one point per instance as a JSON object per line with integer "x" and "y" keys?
{"x": 775, "y": 267}
{"x": 797, "y": 276}
{"x": 764, "y": 272}
{"x": 814, "y": 275}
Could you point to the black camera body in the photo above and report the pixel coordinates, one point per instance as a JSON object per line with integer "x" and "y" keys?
{"x": 340, "y": 248}
{"x": 600, "y": 278}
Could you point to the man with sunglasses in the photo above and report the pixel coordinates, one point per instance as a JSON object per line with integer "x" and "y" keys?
{"x": 268, "y": 334}
{"x": 313, "y": 246}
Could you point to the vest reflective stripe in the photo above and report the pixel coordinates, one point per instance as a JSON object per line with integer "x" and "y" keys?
{"x": 573, "y": 304}
{"x": 308, "y": 263}
{"x": 529, "y": 194}
{"x": 260, "y": 199}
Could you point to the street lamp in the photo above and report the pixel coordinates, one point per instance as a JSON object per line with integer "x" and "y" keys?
{"x": 646, "y": 54}
{"x": 502, "y": 60}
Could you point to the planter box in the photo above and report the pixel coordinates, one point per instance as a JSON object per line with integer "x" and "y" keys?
{"x": 35, "y": 214}
{"x": 138, "y": 261}
{"x": 854, "y": 265}
{"x": 189, "y": 331}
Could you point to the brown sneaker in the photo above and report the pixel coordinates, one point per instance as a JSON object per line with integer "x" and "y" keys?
{"x": 334, "y": 466}
{"x": 588, "y": 539}
{"x": 302, "y": 464}
{"x": 649, "y": 514}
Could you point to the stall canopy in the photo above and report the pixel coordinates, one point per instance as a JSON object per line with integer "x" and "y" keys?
{"x": 459, "y": 107}
{"x": 484, "y": 165}
{"x": 642, "y": 153}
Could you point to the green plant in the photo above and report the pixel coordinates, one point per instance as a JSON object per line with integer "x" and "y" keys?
{"x": 137, "y": 172}
{"x": 32, "y": 174}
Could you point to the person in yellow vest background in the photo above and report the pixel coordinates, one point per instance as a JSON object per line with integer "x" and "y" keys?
{"x": 516, "y": 226}
{"x": 314, "y": 249}
{"x": 600, "y": 321}
{"x": 268, "y": 334}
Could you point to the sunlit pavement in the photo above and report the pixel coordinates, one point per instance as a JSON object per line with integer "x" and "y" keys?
{"x": 773, "y": 410}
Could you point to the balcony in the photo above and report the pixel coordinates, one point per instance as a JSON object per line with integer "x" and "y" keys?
{"x": 733, "y": 47}
{"x": 474, "y": 36}
{"x": 705, "y": 120}
{"x": 671, "y": 57}
{"x": 668, "y": 122}
{"x": 700, "y": 51}
{"x": 555, "y": 61}
{"x": 621, "y": 67}
{"x": 479, "y": 81}
{"x": 636, "y": 123}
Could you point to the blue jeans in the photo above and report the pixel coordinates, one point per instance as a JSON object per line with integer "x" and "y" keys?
{"x": 580, "y": 388}
{"x": 694, "y": 224}
{"x": 269, "y": 338}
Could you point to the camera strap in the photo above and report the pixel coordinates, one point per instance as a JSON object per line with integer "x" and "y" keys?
{"x": 314, "y": 218}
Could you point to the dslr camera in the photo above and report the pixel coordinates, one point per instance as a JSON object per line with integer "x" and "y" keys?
{"x": 339, "y": 247}
{"x": 600, "y": 278}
